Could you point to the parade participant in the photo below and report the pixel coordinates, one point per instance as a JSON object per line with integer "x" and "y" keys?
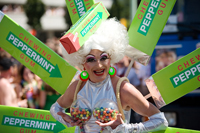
{"x": 101, "y": 51}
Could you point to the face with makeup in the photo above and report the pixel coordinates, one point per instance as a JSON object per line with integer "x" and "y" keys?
{"x": 97, "y": 64}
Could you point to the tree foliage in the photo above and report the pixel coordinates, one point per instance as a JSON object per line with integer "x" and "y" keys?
{"x": 34, "y": 9}
{"x": 120, "y": 9}
{"x": 116, "y": 9}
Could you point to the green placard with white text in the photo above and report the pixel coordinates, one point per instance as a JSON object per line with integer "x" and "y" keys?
{"x": 147, "y": 26}
{"x": 179, "y": 78}
{"x": 26, "y": 120}
{"x": 35, "y": 55}
{"x": 77, "y": 8}
{"x": 177, "y": 130}
{"x": 76, "y": 36}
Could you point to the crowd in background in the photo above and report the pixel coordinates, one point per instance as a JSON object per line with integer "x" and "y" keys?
{"x": 50, "y": 11}
{"x": 164, "y": 58}
{"x": 12, "y": 8}
{"x": 32, "y": 92}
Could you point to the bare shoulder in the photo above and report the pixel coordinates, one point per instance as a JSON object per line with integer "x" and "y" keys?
{"x": 125, "y": 85}
{"x": 3, "y": 81}
{"x": 67, "y": 98}
{"x": 72, "y": 87}
{"x": 128, "y": 92}
{"x": 114, "y": 81}
{"x": 7, "y": 92}
{"x": 4, "y": 85}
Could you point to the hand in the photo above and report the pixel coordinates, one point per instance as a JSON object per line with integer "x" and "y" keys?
{"x": 113, "y": 124}
{"x": 23, "y": 103}
{"x": 68, "y": 119}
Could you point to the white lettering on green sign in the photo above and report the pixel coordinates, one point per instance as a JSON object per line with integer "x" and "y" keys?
{"x": 80, "y": 6}
{"x": 28, "y": 123}
{"x": 78, "y": 22}
{"x": 148, "y": 17}
{"x": 91, "y": 23}
{"x": 185, "y": 75}
{"x": 35, "y": 56}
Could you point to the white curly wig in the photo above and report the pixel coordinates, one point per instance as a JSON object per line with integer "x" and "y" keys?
{"x": 111, "y": 37}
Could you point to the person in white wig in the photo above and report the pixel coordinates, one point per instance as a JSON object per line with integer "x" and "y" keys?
{"x": 98, "y": 86}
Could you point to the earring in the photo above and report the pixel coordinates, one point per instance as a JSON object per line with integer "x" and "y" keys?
{"x": 112, "y": 71}
{"x": 84, "y": 76}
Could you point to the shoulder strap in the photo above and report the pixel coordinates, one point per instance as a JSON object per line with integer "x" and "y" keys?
{"x": 118, "y": 95}
{"x": 77, "y": 89}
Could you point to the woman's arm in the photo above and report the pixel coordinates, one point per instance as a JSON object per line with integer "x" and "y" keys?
{"x": 131, "y": 97}
{"x": 58, "y": 109}
{"x": 66, "y": 99}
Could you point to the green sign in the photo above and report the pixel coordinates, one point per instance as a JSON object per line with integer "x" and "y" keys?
{"x": 146, "y": 28}
{"x": 80, "y": 6}
{"x": 46, "y": 65}
{"x": 81, "y": 19}
{"x": 91, "y": 24}
{"x": 177, "y": 130}
{"x": 148, "y": 17}
{"x": 186, "y": 75}
{"x": 26, "y": 120}
{"x": 84, "y": 28}
{"x": 35, "y": 55}
{"x": 77, "y": 8}
{"x": 179, "y": 78}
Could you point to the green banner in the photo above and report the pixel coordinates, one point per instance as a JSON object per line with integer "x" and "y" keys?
{"x": 35, "y": 55}
{"x": 177, "y": 130}
{"x": 146, "y": 28}
{"x": 26, "y": 120}
{"x": 77, "y": 8}
{"x": 179, "y": 78}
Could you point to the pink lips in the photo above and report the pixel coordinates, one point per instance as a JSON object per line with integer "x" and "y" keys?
{"x": 99, "y": 72}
